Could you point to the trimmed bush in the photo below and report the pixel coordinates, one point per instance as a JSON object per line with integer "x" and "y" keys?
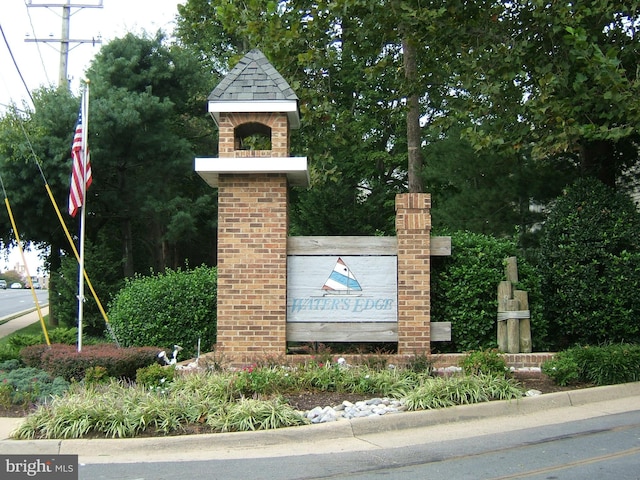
{"x": 590, "y": 266}
{"x": 66, "y": 362}
{"x": 464, "y": 292}
{"x": 175, "y": 307}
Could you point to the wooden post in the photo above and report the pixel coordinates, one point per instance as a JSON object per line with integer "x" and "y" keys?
{"x": 511, "y": 270}
{"x": 525, "y": 323}
{"x": 513, "y": 327}
{"x": 504, "y": 295}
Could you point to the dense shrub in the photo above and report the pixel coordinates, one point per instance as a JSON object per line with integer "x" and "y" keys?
{"x": 154, "y": 375}
{"x": 590, "y": 266}
{"x": 484, "y": 362}
{"x": 464, "y": 292}
{"x": 66, "y": 362}
{"x": 175, "y": 307}
{"x": 605, "y": 365}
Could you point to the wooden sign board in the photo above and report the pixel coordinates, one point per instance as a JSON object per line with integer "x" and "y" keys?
{"x": 342, "y": 288}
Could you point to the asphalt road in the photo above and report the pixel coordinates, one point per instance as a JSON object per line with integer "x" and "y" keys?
{"x": 603, "y": 447}
{"x": 18, "y": 300}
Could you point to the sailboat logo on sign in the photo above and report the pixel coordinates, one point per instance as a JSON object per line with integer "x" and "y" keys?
{"x": 341, "y": 281}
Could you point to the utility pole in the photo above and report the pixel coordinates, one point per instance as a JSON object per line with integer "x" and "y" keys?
{"x": 65, "y": 41}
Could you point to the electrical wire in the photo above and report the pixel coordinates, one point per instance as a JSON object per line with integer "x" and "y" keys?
{"x": 33, "y": 31}
{"x": 15, "y": 63}
{"x": 26, "y": 265}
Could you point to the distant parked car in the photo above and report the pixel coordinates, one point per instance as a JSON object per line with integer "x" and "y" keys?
{"x": 36, "y": 285}
{"x": 3, "y": 284}
{"x": 16, "y": 285}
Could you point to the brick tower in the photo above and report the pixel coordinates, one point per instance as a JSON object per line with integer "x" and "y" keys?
{"x": 254, "y": 109}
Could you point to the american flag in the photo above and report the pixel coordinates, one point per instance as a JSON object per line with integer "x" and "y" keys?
{"x": 76, "y": 193}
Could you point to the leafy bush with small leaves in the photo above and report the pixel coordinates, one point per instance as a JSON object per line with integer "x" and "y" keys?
{"x": 17, "y": 341}
{"x": 603, "y": 365}
{"x": 562, "y": 369}
{"x": 488, "y": 362}
{"x": 95, "y": 375}
{"x": 155, "y": 374}
{"x": 463, "y": 292}
{"x": 174, "y": 307}
{"x": 589, "y": 260}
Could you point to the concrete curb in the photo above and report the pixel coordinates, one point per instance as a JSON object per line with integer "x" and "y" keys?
{"x": 523, "y": 406}
{"x": 308, "y": 436}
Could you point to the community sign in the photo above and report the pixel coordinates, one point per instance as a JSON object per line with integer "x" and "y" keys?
{"x": 342, "y": 288}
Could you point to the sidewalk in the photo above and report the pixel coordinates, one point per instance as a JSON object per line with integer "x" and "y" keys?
{"x": 361, "y": 434}
{"x": 21, "y": 320}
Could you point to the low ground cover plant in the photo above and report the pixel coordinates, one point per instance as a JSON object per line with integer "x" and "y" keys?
{"x": 24, "y": 386}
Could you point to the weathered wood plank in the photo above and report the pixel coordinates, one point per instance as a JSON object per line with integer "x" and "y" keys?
{"x": 357, "y": 245}
{"x": 440, "y": 246}
{"x": 342, "y": 245}
{"x": 342, "y": 332}
{"x": 440, "y": 331}
{"x": 357, "y": 332}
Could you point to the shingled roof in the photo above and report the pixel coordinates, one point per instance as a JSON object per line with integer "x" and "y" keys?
{"x": 253, "y": 79}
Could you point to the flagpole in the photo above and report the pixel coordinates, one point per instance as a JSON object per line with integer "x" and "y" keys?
{"x": 85, "y": 130}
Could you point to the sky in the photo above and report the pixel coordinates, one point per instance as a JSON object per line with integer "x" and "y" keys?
{"x": 39, "y": 62}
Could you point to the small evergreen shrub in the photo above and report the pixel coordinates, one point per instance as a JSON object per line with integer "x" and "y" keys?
{"x": 175, "y": 307}
{"x": 96, "y": 375}
{"x": 484, "y": 362}
{"x": 562, "y": 369}
{"x": 31, "y": 356}
{"x": 154, "y": 375}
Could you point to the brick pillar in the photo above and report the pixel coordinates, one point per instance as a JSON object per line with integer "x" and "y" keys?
{"x": 252, "y": 248}
{"x": 413, "y": 231}
{"x": 252, "y": 266}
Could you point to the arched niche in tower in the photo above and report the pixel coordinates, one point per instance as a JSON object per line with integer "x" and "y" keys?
{"x": 252, "y": 136}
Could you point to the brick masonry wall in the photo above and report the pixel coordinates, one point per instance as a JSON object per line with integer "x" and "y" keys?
{"x": 278, "y": 122}
{"x": 252, "y": 247}
{"x": 413, "y": 230}
{"x": 252, "y": 264}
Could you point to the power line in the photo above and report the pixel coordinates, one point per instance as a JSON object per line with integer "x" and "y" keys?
{"x": 33, "y": 31}
{"x": 64, "y": 39}
{"x": 15, "y": 63}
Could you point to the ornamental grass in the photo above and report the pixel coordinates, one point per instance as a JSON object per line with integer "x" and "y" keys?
{"x": 245, "y": 400}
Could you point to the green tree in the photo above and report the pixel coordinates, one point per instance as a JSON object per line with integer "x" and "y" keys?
{"x": 559, "y": 76}
{"x": 354, "y": 128}
{"x": 490, "y": 193}
{"x": 146, "y": 124}
{"x": 143, "y": 141}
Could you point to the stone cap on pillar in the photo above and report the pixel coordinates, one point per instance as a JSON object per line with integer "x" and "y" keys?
{"x": 254, "y": 85}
